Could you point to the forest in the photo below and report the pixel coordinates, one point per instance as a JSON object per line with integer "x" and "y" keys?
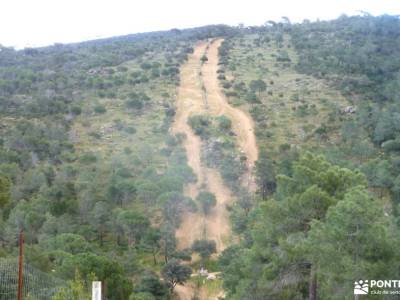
{"x": 93, "y": 174}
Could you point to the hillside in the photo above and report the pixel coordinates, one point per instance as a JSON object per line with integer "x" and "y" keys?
{"x": 269, "y": 156}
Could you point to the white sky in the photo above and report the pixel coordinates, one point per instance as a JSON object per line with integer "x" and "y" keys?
{"x": 26, "y": 23}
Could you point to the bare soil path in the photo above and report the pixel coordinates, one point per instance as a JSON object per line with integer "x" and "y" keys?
{"x": 190, "y": 101}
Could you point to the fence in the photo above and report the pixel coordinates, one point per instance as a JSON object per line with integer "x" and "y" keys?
{"x": 37, "y": 285}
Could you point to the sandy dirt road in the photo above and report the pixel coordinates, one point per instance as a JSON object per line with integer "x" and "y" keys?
{"x": 190, "y": 100}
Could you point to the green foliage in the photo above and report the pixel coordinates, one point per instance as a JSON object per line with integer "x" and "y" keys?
{"x": 362, "y": 66}
{"x": 200, "y": 125}
{"x": 105, "y": 270}
{"x": 4, "y": 191}
{"x": 205, "y": 248}
{"x": 265, "y": 171}
{"x": 224, "y": 123}
{"x": 175, "y": 273}
{"x": 91, "y": 195}
{"x": 391, "y": 145}
{"x": 258, "y": 86}
{"x": 207, "y": 201}
{"x": 83, "y": 146}
{"x": 133, "y": 225}
{"x": 100, "y": 109}
{"x": 68, "y": 242}
{"x": 151, "y": 284}
{"x": 355, "y": 241}
{"x": 77, "y": 290}
{"x": 315, "y": 212}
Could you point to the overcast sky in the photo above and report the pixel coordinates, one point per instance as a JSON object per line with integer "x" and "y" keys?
{"x": 26, "y": 23}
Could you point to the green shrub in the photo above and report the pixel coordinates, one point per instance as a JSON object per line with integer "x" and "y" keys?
{"x": 88, "y": 158}
{"x": 200, "y": 125}
{"x": 134, "y": 103}
{"x": 391, "y": 145}
{"x": 100, "y": 109}
{"x": 224, "y": 123}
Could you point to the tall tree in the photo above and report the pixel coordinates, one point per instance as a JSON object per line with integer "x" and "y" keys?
{"x": 4, "y": 191}
{"x": 174, "y": 273}
{"x": 355, "y": 241}
{"x": 134, "y": 225}
{"x": 207, "y": 201}
{"x": 278, "y": 263}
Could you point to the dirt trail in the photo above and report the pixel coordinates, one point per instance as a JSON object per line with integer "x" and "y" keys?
{"x": 190, "y": 101}
{"x": 184, "y": 292}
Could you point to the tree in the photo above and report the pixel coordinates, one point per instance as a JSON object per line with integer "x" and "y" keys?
{"x": 168, "y": 241}
{"x": 265, "y": 175}
{"x": 99, "y": 109}
{"x": 384, "y": 129}
{"x": 126, "y": 191}
{"x": 174, "y": 273}
{"x": 100, "y": 216}
{"x": 204, "y": 248}
{"x": 110, "y": 272}
{"x": 278, "y": 262}
{"x": 151, "y": 242}
{"x": 258, "y": 86}
{"x": 134, "y": 103}
{"x": 76, "y": 290}
{"x": 224, "y": 123}
{"x": 173, "y": 205}
{"x": 68, "y": 242}
{"x": 396, "y": 189}
{"x": 355, "y": 241}
{"x": 200, "y": 125}
{"x": 252, "y": 98}
{"x": 207, "y": 201}
{"x": 134, "y": 225}
{"x": 151, "y": 284}
{"x": 379, "y": 174}
{"x": 4, "y": 191}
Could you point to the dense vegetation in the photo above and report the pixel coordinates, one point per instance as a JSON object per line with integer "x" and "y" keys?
{"x": 91, "y": 174}
{"x": 88, "y": 169}
{"x": 321, "y": 226}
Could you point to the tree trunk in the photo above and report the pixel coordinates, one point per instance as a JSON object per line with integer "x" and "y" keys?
{"x": 154, "y": 258}
{"x": 166, "y": 254}
{"x": 312, "y": 293}
{"x": 101, "y": 238}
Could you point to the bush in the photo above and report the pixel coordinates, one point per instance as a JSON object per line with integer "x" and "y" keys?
{"x": 204, "y": 247}
{"x": 130, "y": 129}
{"x": 221, "y": 77}
{"x": 231, "y": 94}
{"x": 252, "y": 98}
{"x": 200, "y": 125}
{"x": 88, "y": 158}
{"x": 76, "y": 110}
{"x": 227, "y": 85}
{"x": 207, "y": 201}
{"x": 224, "y": 123}
{"x": 100, "y": 109}
{"x": 391, "y": 145}
{"x": 134, "y": 103}
{"x": 284, "y": 147}
{"x": 145, "y": 66}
